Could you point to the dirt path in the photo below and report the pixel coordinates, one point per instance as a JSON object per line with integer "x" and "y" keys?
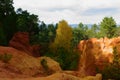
{"x": 56, "y": 76}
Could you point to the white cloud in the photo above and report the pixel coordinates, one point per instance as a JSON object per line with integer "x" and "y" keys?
{"x": 74, "y": 11}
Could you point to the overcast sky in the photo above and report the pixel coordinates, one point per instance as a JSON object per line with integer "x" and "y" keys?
{"x": 73, "y": 11}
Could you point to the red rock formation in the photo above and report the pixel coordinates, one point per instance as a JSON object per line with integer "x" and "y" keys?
{"x": 96, "y": 52}
{"x": 87, "y": 62}
{"x": 22, "y": 65}
{"x": 36, "y": 50}
{"x": 21, "y": 42}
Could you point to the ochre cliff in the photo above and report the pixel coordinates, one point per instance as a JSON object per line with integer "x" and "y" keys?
{"x": 95, "y": 52}
{"x": 22, "y": 65}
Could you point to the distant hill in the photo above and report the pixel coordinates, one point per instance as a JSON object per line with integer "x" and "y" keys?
{"x": 75, "y": 25}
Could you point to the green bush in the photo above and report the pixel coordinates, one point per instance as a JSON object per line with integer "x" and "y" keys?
{"x": 112, "y": 71}
{"x": 44, "y": 64}
{"x": 47, "y": 70}
{"x": 67, "y": 60}
{"x": 5, "y": 57}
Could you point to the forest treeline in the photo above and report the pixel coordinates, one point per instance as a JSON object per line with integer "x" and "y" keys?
{"x": 57, "y": 40}
{"x": 12, "y": 21}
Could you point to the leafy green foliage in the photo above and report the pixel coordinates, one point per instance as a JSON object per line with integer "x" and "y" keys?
{"x": 27, "y": 22}
{"x": 68, "y": 60}
{"x": 117, "y": 33}
{"x": 45, "y": 36}
{"x": 7, "y": 19}
{"x": 48, "y": 71}
{"x": 61, "y": 49}
{"x": 112, "y": 70}
{"x": 44, "y": 64}
{"x": 108, "y": 27}
{"x": 2, "y": 37}
{"x": 6, "y": 57}
{"x": 79, "y": 33}
{"x": 46, "y": 33}
{"x": 93, "y": 32}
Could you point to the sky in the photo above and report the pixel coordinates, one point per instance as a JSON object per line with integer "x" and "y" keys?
{"x": 73, "y": 11}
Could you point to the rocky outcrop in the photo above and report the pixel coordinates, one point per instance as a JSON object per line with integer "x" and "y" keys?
{"x": 21, "y": 42}
{"x": 63, "y": 76}
{"x": 49, "y": 65}
{"x": 23, "y": 65}
{"x": 20, "y": 64}
{"x": 97, "y": 77}
{"x": 87, "y": 60}
{"x": 60, "y": 76}
{"x": 36, "y": 50}
{"x": 95, "y": 52}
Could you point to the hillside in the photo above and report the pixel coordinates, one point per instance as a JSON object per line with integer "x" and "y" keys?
{"x": 22, "y": 65}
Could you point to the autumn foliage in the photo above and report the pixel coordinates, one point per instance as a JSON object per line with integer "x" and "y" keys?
{"x": 61, "y": 49}
{"x": 63, "y": 36}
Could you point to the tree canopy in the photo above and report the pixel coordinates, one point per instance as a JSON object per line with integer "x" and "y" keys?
{"x": 108, "y": 27}
{"x": 63, "y": 36}
{"x": 7, "y": 20}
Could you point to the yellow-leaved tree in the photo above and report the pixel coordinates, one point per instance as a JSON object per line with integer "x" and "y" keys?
{"x": 63, "y": 36}
{"x": 61, "y": 48}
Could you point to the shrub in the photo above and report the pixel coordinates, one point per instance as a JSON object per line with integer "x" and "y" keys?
{"x": 5, "y": 57}
{"x": 48, "y": 71}
{"x": 44, "y": 64}
{"x": 68, "y": 60}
